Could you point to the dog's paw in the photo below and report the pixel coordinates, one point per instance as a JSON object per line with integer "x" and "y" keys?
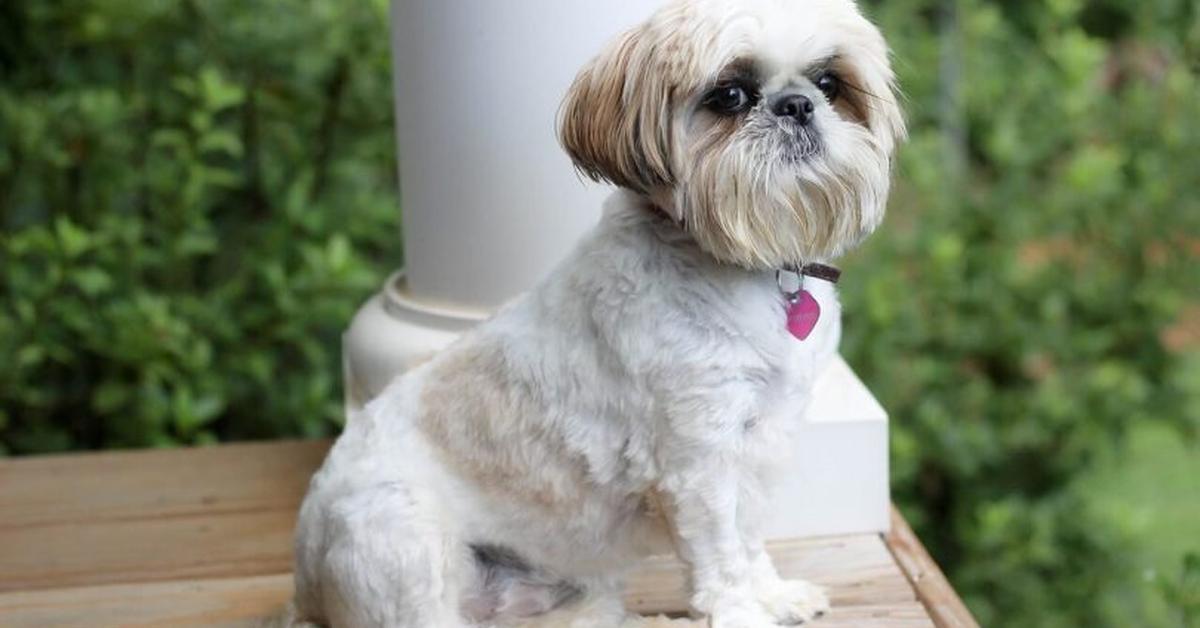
{"x": 793, "y": 602}
{"x": 741, "y": 616}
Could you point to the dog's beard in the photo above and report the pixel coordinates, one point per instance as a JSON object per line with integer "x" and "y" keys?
{"x": 767, "y": 197}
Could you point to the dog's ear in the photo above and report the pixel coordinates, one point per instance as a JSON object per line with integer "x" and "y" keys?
{"x": 616, "y": 120}
{"x": 877, "y": 92}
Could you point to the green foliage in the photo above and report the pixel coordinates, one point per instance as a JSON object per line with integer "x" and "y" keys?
{"x": 1015, "y": 312}
{"x": 195, "y": 196}
{"x": 1184, "y": 593}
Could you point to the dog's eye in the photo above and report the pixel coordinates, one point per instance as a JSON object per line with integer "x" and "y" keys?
{"x": 830, "y": 85}
{"x": 729, "y": 99}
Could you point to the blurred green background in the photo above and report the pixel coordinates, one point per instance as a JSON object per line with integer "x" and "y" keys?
{"x": 195, "y": 196}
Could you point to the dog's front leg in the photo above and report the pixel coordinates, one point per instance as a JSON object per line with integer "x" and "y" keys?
{"x": 790, "y": 602}
{"x": 702, "y": 502}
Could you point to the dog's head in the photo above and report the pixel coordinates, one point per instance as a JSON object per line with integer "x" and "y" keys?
{"x": 767, "y": 127}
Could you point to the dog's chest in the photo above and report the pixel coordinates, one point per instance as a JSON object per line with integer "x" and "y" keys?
{"x": 792, "y": 365}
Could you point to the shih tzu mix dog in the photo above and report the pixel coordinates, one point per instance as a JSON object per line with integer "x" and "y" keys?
{"x": 634, "y": 402}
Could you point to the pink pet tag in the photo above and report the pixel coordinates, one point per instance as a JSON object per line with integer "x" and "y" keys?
{"x": 803, "y": 312}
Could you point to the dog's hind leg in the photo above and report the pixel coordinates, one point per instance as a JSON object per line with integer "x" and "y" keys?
{"x": 388, "y": 561}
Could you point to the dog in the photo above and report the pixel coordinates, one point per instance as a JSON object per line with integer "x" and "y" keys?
{"x": 637, "y": 400}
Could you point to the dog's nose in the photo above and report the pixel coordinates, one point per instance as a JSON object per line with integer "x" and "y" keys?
{"x": 796, "y": 106}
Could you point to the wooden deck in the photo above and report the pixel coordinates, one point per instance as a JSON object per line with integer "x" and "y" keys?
{"x": 202, "y": 537}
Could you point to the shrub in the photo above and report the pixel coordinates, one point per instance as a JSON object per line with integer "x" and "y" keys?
{"x": 195, "y": 198}
{"x": 1012, "y": 313}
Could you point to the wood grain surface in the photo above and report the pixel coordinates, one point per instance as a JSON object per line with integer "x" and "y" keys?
{"x": 202, "y": 537}
{"x": 942, "y": 603}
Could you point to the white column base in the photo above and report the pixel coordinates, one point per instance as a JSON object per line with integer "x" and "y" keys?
{"x": 837, "y": 482}
{"x": 392, "y": 333}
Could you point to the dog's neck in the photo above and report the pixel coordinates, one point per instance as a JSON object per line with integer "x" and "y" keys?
{"x": 662, "y": 202}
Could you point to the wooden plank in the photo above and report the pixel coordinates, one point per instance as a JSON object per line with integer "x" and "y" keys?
{"x": 249, "y": 602}
{"x": 858, "y": 570}
{"x": 229, "y": 512}
{"x": 195, "y": 546}
{"x": 203, "y": 537}
{"x": 147, "y": 516}
{"x": 258, "y": 543}
{"x": 240, "y": 602}
{"x": 944, "y": 606}
{"x": 156, "y": 483}
{"x": 896, "y": 615}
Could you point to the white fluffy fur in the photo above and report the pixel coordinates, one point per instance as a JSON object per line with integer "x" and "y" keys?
{"x": 636, "y": 400}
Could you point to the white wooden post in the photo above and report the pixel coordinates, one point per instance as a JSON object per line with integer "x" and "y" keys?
{"x": 490, "y": 203}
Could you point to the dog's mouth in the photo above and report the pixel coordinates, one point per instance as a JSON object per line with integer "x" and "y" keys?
{"x": 786, "y": 141}
{"x": 801, "y": 144}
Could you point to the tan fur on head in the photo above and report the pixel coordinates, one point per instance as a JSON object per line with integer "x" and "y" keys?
{"x": 751, "y": 192}
{"x": 615, "y": 123}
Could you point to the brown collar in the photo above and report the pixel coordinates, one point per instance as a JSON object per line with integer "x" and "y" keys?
{"x": 821, "y": 271}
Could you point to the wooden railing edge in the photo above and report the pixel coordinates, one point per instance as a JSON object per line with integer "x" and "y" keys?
{"x": 945, "y": 607}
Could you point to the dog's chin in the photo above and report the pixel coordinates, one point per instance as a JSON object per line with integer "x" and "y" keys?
{"x": 784, "y": 204}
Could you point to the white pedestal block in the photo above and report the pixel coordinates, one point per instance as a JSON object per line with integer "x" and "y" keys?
{"x": 836, "y": 483}
{"x": 837, "y": 480}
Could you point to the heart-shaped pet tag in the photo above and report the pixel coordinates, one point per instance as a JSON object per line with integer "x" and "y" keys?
{"x": 803, "y": 312}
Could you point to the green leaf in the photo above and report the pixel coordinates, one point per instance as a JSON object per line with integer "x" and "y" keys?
{"x": 221, "y": 142}
{"x": 217, "y": 92}
{"x": 72, "y": 239}
{"x": 92, "y": 280}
